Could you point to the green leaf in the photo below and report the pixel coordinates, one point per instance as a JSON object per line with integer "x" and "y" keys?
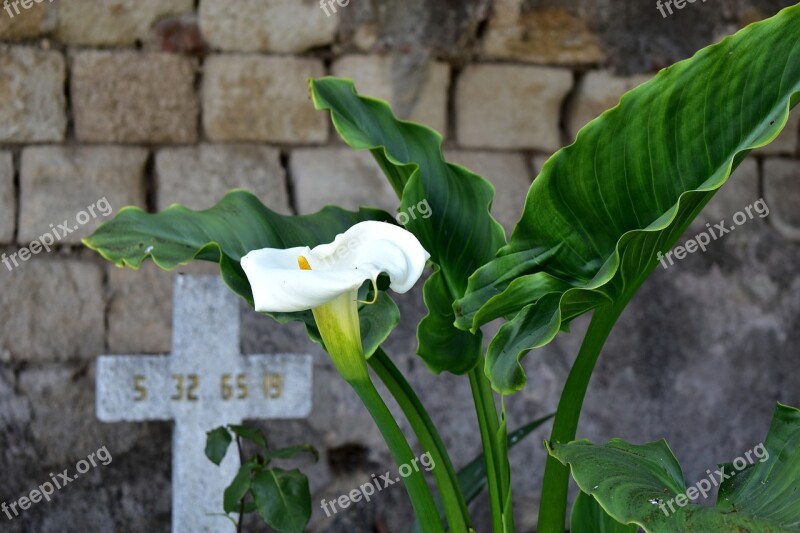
{"x": 472, "y": 478}
{"x": 282, "y": 499}
{"x": 291, "y": 451}
{"x": 217, "y": 442}
{"x": 589, "y": 516}
{"x": 250, "y": 433}
{"x": 238, "y": 224}
{"x": 455, "y": 227}
{"x": 603, "y": 208}
{"x": 640, "y": 483}
{"x": 238, "y": 489}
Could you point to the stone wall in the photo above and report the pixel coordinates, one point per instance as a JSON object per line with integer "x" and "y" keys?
{"x": 152, "y": 102}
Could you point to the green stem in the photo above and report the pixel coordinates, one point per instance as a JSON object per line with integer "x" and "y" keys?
{"x": 504, "y": 472}
{"x": 489, "y": 426}
{"x": 417, "y": 487}
{"x": 455, "y": 507}
{"x": 553, "y": 507}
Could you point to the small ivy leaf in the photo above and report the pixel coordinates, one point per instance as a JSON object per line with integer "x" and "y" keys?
{"x": 291, "y": 451}
{"x": 283, "y": 499}
{"x": 250, "y": 433}
{"x": 217, "y": 442}
{"x": 238, "y": 489}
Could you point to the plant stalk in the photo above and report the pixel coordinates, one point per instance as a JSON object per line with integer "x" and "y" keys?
{"x": 553, "y": 507}
{"x": 489, "y": 427}
{"x": 452, "y": 498}
{"x": 417, "y": 487}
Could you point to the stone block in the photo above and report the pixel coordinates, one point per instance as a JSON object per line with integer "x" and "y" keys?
{"x": 511, "y": 107}
{"x": 53, "y": 311}
{"x": 199, "y": 176}
{"x": 339, "y": 176}
{"x": 545, "y": 34}
{"x": 33, "y": 107}
{"x": 130, "y": 97}
{"x": 113, "y": 22}
{"x": 282, "y": 26}
{"x": 70, "y": 190}
{"x": 258, "y": 98}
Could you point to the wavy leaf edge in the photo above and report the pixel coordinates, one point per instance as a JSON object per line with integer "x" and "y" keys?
{"x": 610, "y": 268}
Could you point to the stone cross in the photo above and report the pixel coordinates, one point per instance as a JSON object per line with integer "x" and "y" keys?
{"x": 203, "y": 384}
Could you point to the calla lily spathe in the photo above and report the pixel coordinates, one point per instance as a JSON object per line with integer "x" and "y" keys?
{"x": 280, "y": 284}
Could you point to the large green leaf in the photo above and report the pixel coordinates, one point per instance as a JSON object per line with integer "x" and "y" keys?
{"x": 238, "y": 224}
{"x": 457, "y": 229}
{"x": 602, "y": 208}
{"x": 640, "y": 484}
{"x": 588, "y": 516}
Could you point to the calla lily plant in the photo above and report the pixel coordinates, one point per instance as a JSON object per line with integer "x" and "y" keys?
{"x": 595, "y": 221}
{"x": 326, "y": 279}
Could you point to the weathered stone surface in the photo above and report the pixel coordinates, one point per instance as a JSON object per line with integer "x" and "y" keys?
{"x": 439, "y": 27}
{"x": 53, "y": 310}
{"x": 416, "y": 92}
{"x": 787, "y": 142}
{"x": 32, "y": 93}
{"x": 510, "y": 175}
{"x": 113, "y": 22}
{"x": 782, "y": 193}
{"x": 38, "y": 20}
{"x": 60, "y": 429}
{"x": 199, "y": 176}
{"x": 80, "y": 185}
{"x": 253, "y": 98}
{"x": 139, "y": 310}
{"x": 283, "y": 26}
{"x": 131, "y": 97}
{"x": 550, "y": 35}
{"x": 524, "y": 111}
{"x": 596, "y": 92}
{"x": 140, "y": 306}
{"x": 338, "y": 176}
{"x": 176, "y": 35}
{"x": 8, "y": 201}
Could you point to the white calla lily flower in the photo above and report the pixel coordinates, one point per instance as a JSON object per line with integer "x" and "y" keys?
{"x": 297, "y": 279}
{"x": 326, "y": 280}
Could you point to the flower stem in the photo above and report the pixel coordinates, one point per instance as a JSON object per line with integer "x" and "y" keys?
{"x": 553, "y": 507}
{"x": 339, "y": 328}
{"x": 452, "y": 498}
{"x": 489, "y": 427}
{"x": 417, "y": 487}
